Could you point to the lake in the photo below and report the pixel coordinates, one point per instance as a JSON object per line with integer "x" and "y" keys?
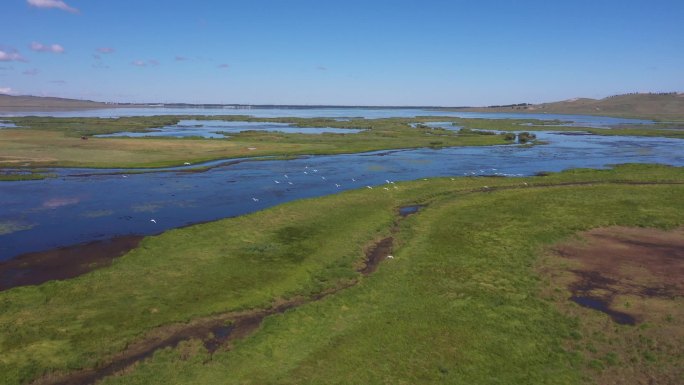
{"x": 219, "y": 129}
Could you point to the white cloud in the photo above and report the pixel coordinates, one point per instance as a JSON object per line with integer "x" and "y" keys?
{"x": 105, "y": 50}
{"x": 6, "y": 90}
{"x": 10, "y": 56}
{"x": 52, "y": 4}
{"x": 54, "y": 48}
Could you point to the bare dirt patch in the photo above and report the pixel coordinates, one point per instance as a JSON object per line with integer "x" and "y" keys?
{"x": 618, "y": 261}
{"x": 636, "y": 277}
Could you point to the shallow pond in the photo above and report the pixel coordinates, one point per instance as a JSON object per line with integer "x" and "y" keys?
{"x": 82, "y": 205}
{"x": 218, "y": 129}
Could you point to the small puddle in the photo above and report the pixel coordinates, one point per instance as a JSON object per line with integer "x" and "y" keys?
{"x": 602, "y": 306}
{"x": 408, "y": 210}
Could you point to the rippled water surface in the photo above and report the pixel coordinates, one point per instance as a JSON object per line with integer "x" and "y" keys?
{"x": 84, "y": 205}
{"x": 222, "y": 129}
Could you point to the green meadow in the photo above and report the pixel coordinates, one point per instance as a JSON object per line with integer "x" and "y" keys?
{"x": 460, "y": 302}
{"x": 57, "y": 142}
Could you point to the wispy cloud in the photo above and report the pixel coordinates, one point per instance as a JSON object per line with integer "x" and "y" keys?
{"x": 57, "y": 81}
{"x": 6, "y": 90}
{"x": 52, "y": 4}
{"x": 31, "y": 72}
{"x": 143, "y": 63}
{"x": 54, "y": 48}
{"x": 181, "y": 58}
{"x": 10, "y": 55}
{"x": 322, "y": 68}
{"x": 105, "y": 50}
{"x": 223, "y": 66}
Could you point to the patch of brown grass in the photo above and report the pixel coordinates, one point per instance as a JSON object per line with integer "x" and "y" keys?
{"x": 633, "y": 271}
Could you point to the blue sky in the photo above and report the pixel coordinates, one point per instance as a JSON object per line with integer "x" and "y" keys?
{"x": 349, "y": 52}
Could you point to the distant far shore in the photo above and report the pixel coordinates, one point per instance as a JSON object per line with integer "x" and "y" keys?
{"x": 659, "y": 106}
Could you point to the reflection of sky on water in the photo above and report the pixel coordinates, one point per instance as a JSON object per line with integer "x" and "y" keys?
{"x": 216, "y": 128}
{"x": 340, "y": 112}
{"x": 71, "y": 209}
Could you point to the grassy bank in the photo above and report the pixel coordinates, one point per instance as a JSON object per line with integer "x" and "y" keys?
{"x": 57, "y": 142}
{"x": 44, "y": 142}
{"x": 459, "y": 303}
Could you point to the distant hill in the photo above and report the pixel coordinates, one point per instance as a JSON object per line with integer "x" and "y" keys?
{"x": 47, "y": 103}
{"x": 668, "y": 106}
{"x": 660, "y": 106}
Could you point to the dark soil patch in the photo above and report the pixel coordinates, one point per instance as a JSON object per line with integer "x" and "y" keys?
{"x": 620, "y": 261}
{"x": 377, "y": 254}
{"x": 63, "y": 263}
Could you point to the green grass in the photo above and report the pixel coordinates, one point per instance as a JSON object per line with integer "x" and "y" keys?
{"x": 56, "y": 142}
{"x": 53, "y": 142}
{"x": 458, "y": 304}
{"x": 24, "y": 175}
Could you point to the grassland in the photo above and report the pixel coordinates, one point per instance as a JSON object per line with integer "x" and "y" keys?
{"x": 58, "y": 142}
{"x": 461, "y": 301}
{"x": 42, "y": 142}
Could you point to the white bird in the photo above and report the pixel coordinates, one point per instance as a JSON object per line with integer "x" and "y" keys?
{"x": 152, "y": 220}
{"x": 289, "y": 183}
{"x": 337, "y": 185}
{"x": 369, "y": 187}
{"x": 323, "y": 177}
{"x": 286, "y": 176}
{"x": 276, "y": 181}
{"x": 452, "y": 179}
{"x": 125, "y": 176}
{"x": 353, "y": 180}
{"x": 187, "y": 163}
{"x": 386, "y": 180}
{"x": 315, "y": 170}
{"x": 255, "y": 199}
{"x": 306, "y": 173}
{"x": 386, "y": 188}
{"x": 390, "y": 257}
